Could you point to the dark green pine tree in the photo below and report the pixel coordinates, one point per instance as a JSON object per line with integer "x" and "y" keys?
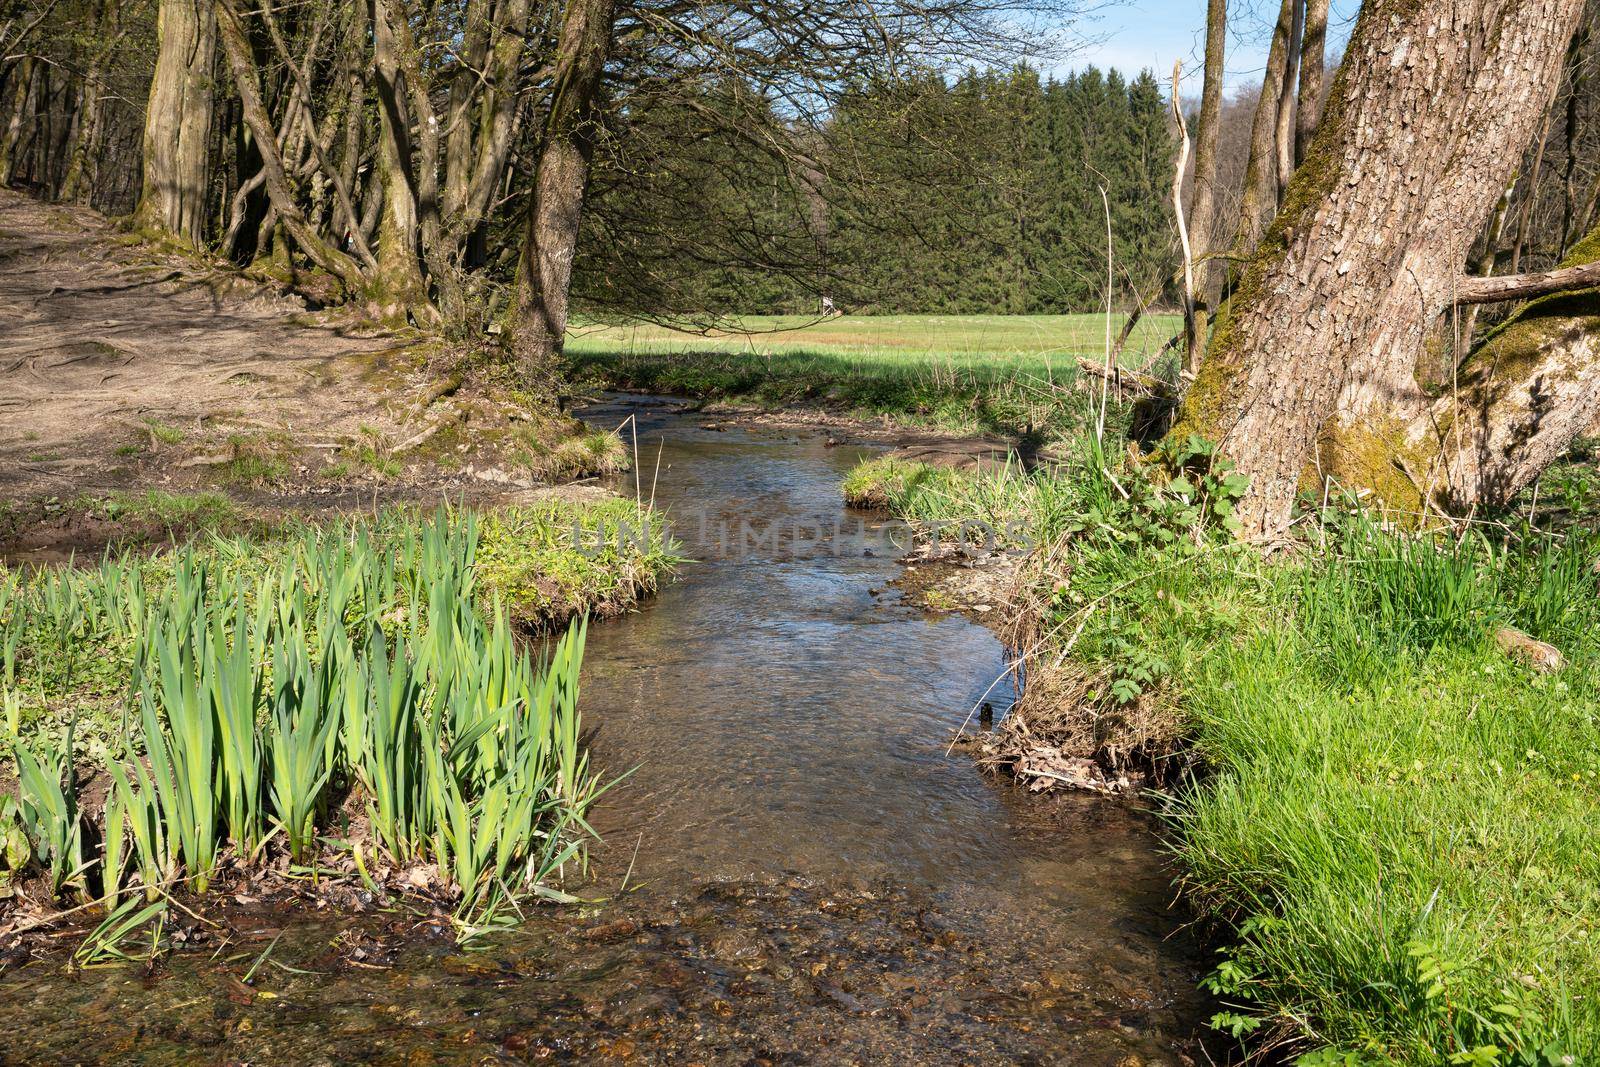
{"x": 977, "y": 195}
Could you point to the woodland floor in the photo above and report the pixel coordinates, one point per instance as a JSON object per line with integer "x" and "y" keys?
{"x": 106, "y": 339}
{"x": 126, "y": 368}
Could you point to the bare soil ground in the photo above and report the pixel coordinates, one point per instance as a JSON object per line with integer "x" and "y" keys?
{"x": 122, "y": 367}
{"x": 104, "y": 339}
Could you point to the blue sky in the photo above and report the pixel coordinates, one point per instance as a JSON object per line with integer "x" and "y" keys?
{"x": 1133, "y": 34}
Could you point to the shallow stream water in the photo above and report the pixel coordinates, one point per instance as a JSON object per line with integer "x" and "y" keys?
{"x": 796, "y": 872}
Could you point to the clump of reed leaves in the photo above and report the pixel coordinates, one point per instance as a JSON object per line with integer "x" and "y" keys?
{"x": 347, "y": 706}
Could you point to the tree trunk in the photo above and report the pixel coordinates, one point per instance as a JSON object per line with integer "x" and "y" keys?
{"x": 1313, "y": 62}
{"x": 1284, "y": 129}
{"x": 75, "y": 186}
{"x": 1258, "y": 199}
{"x": 1203, "y": 212}
{"x": 556, "y": 207}
{"x": 1577, "y": 70}
{"x": 463, "y": 93}
{"x": 177, "y": 128}
{"x": 1530, "y": 197}
{"x": 397, "y": 283}
{"x": 79, "y": 181}
{"x": 19, "y": 90}
{"x": 246, "y": 79}
{"x": 1334, "y": 309}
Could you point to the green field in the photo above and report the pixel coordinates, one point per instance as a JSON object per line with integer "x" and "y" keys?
{"x": 1035, "y": 343}
{"x": 981, "y": 373}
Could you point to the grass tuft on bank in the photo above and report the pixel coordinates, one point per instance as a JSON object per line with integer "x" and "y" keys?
{"x": 1387, "y": 818}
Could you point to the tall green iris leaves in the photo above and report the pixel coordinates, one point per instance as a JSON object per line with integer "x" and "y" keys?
{"x": 357, "y": 673}
{"x": 49, "y": 809}
{"x": 305, "y": 713}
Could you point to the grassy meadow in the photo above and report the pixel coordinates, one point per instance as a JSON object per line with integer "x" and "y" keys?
{"x": 969, "y": 373}
{"x": 1385, "y": 819}
{"x": 1032, "y": 343}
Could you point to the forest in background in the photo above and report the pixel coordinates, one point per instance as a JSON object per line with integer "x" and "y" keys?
{"x": 977, "y": 194}
{"x": 974, "y": 192}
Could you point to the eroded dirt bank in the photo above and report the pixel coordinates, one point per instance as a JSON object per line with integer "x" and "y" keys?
{"x": 109, "y": 349}
{"x": 125, "y": 370}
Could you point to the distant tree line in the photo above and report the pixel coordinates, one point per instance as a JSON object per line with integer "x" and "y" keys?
{"x": 985, "y": 194}
{"x": 979, "y": 193}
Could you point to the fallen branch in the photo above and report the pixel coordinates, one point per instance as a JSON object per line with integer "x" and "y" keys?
{"x": 1530, "y": 651}
{"x": 1125, "y": 380}
{"x": 1489, "y": 290}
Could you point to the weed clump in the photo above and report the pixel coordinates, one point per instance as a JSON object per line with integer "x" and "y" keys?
{"x": 243, "y": 700}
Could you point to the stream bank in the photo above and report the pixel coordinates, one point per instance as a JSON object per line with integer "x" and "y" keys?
{"x": 792, "y": 871}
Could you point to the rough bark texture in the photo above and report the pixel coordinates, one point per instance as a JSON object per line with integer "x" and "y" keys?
{"x": 1333, "y": 310}
{"x": 177, "y": 128}
{"x": 556, "y": 207}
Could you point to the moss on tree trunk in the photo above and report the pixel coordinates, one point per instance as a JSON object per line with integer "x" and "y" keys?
{"x": 1333, "y": 308}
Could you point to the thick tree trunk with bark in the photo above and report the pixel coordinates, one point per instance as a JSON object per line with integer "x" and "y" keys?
{"x": 1313, "y": 370}
{"x": 556, "y": 208}
{"x": 177, "y": 132}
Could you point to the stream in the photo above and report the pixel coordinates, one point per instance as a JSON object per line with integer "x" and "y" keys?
{"x": 795, "y": 871}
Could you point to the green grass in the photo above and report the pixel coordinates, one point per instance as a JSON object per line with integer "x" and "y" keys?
{"x": 1393, "y": 832}
{"x": 584, "y": 455}
{"x": 970, "y": 373}
{"x": 174, "y": 511}
{"x": 1018, "y": 506}
{"x": 255, "y": 460}
{"x": 1037, "y": 344}
{"x": 162, "y": 433}
{"x": 1399, "y": 822}
{"x": 263, "y": 692}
